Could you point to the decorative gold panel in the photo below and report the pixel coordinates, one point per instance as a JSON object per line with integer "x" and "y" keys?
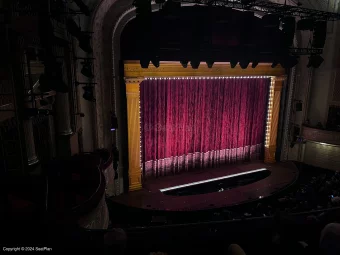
{"x": 132, "y": 96}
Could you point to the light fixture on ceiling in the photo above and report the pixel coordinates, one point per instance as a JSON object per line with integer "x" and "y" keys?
{"x": 184, "y": 63}
{"x": 195, "y": 64}
{"x": 210, "y": 63}
{"x": 233, "y": 63}
{"x": 319, "y": 34}
{"x": 244, "y": 63}
{"x": 87, "y": 69}
{"x": 144, "y": 63}
{"x": 288, "y": 29}
{"x": 274, "y": 64}
{"x": 155, "y": 62}
{"x": 88, "y": 93}
{"x": 254, "y": 63}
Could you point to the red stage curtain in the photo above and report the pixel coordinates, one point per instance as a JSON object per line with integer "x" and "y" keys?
{"x": 201, "y": 122}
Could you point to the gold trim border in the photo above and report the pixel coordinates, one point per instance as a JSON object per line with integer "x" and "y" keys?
{"x": 134, "y": 74}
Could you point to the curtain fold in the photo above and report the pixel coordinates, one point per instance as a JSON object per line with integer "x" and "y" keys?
{"x": 189, "y": 123}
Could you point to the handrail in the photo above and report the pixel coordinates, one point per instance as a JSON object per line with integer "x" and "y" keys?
{"x": 93, "y": 199}
{"x": 136, "y": 230}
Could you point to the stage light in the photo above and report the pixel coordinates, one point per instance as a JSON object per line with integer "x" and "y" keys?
{"x": 114, "y": 122}
{"x": 210, "y": 64}
{"x": 88, "y": 94}
{"x": 288, "y": 28}
{"x": 233, "y": 63}
{"x": 319, "y": 34}
{"x": 213, "y": 179}
{"x": 87, "y": 69}
{"x": 195, "y": 64}
{"x": 184, "y": 63}
{"x": 83, "y": 7}
{"x": 244, "y": 64}
{"x": 315, "y": 61}
{"x": 305, "y": 24}
{"x": 155, "y": 62}
{"x": 275, "y": 63}
{"x": 144, "y": 63}
{"x": 254, "y": 63}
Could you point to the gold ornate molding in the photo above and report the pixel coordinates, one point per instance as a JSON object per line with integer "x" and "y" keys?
{"x": 279, "y": 82}
{"x": 134, "y": 80}
{"x": 280, "y": 78}
{"x": 269, "y": 154}
{"x": 132, "y": 100}
{"x": 175, "y": 69}
{"x": 271, "y": 135}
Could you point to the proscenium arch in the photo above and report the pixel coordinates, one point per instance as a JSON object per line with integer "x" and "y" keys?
{"x": 108, "y": 21}
{"x": 135, "y": 74}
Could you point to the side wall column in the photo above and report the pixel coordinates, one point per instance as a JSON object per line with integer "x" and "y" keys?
{"x": 133, "y": 114}
{"x": 273, "y": 118}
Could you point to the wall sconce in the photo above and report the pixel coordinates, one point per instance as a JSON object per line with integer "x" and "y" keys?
{"x": 87, "y": 69}
{"x": 88, "y": 93}
{"x": 114, "y": 122}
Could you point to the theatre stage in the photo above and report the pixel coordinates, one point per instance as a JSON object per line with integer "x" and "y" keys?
{"x": 151, "y": 197}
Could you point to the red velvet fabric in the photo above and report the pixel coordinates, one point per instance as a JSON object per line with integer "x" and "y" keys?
{"x": 196, "y": 123}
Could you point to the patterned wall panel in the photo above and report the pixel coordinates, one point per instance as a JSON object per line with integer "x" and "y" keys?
{"x": 322, "y": 155}
{"x": 336, "y": 88}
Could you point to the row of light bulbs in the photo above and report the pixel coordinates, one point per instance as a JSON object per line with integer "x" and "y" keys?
{"x": 270, "y": 104}
{"x": 270, "y": 108}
